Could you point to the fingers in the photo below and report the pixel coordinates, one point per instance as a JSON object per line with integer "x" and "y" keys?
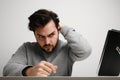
{"x": 43, "y": 69}
{"x": 50, "y": 66}
{"x": 60, "y": 24}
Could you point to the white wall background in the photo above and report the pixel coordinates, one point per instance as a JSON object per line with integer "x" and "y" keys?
{"x": 91, "y": 18}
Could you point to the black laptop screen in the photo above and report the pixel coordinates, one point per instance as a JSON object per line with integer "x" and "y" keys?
{"x": 110, "y": 60}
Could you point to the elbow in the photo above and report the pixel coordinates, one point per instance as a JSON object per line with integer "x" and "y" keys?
{"x": 81, "y": 55}
{"x": 87, "y": 52}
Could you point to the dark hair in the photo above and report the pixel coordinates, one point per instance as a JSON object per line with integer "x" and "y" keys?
{"x": 41, "y": 17}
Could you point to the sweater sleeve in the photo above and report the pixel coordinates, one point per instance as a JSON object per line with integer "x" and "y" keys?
{"x": 78, "y": 47}
{"x": 17, "y": 63}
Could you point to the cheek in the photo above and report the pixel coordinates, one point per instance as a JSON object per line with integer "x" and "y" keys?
{"x": 54, "y": 40}
{"x": 41, "y": 43}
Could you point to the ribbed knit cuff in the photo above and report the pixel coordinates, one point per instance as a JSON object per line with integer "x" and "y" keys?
{"x": 24, "y": 70}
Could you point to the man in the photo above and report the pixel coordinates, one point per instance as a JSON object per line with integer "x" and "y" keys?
{"x": 49, "y": 56}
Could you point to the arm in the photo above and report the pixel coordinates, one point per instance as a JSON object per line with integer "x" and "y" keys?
{"x": 42, "y": 69}
{"x": 17, "y": 63}
{"x": 18, "y": 66}
{"x": 79, "y": 48}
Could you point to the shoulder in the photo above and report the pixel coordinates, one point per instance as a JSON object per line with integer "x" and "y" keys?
{"x": 29, "y": 44}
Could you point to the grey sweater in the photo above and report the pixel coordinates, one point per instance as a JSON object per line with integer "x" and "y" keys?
{"x": 64, "y": 55}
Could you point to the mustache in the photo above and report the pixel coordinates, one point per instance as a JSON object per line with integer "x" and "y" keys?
{"x": 47, "y": 45}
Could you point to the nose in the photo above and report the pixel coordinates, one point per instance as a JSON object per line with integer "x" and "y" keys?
{"x": 47, "y": 41}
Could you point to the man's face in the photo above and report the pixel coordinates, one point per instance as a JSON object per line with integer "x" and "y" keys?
{"x": 47, "y": 36}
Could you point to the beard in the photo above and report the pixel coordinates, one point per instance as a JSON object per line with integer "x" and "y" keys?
{"x": 49, "y": 47}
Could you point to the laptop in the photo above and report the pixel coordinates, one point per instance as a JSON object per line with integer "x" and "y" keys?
{"x": 110, "y": 59}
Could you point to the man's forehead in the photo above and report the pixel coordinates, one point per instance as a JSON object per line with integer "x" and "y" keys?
{"x": 47, "y": 29}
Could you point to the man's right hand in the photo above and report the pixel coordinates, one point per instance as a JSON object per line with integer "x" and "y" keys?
{"x": 43, "y": 69}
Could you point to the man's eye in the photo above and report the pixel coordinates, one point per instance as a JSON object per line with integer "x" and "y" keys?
{"x": 41, "y": 37}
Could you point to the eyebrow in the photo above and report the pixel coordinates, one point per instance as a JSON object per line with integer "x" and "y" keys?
{"x": 51, "y": 33}
{"x": 47, "y": 35}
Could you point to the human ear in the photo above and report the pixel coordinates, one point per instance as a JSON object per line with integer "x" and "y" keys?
{"x": 60, "y": 26}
